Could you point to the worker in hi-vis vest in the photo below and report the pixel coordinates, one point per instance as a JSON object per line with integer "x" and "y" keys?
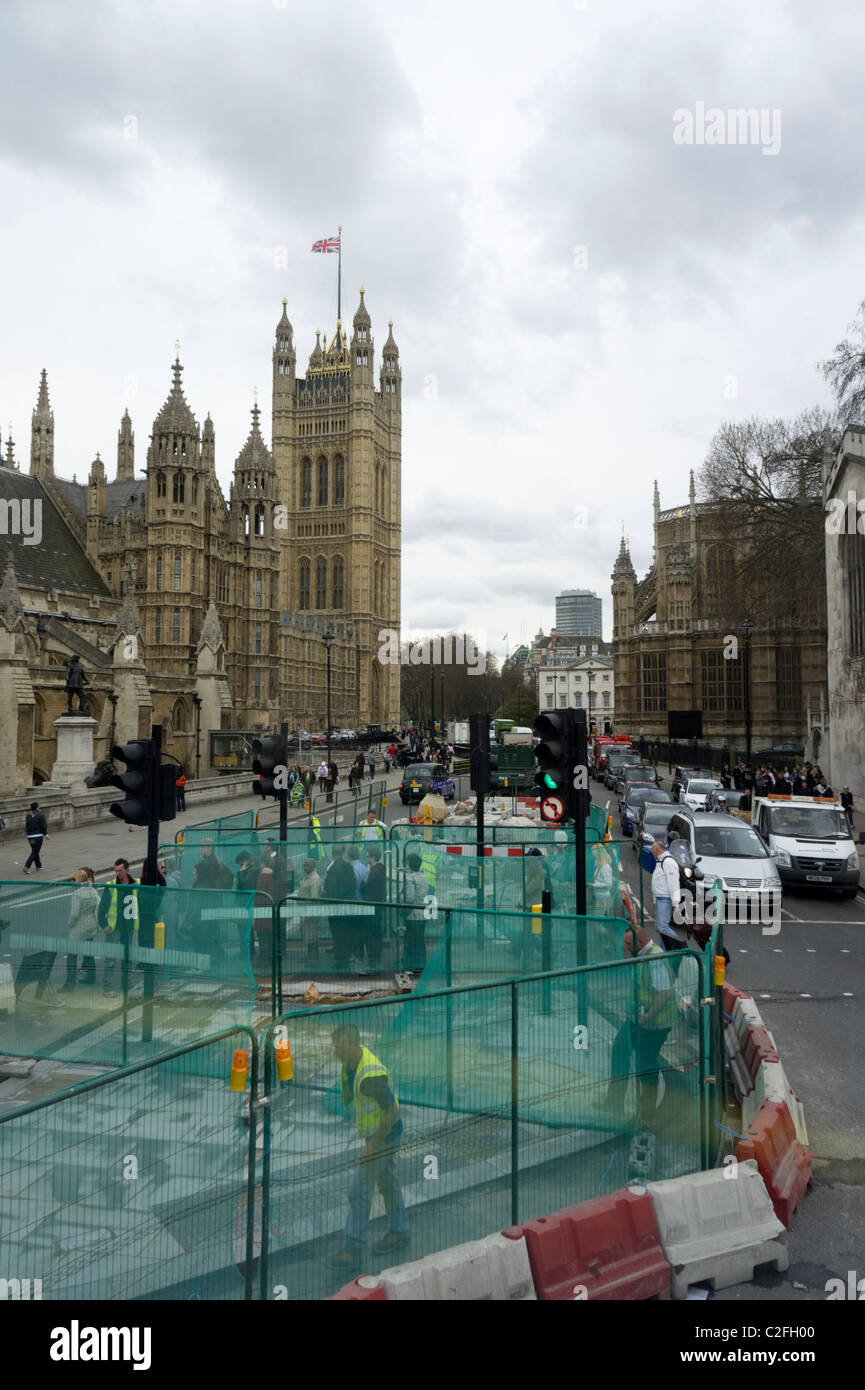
{"x": 316, "y": 848}
{"x": 118, "y": 911}
{"x": 369, "y": 1099}
{"x": 373, "y": 829}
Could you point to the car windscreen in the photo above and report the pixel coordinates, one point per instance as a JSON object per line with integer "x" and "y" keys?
{"x": 729, "y": 842}
{"x": 656, "y": 813}
{"x": 700, "y": 788}
{"x": 637, "y": 795}
{"x": 813, "y": 822}
{"x": 419, "y": 770}
{"x": 638, "y": 774}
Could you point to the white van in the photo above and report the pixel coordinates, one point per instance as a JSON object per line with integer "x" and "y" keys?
{"x": 810, "y": 841}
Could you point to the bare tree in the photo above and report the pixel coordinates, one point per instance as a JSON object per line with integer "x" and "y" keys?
{"x": 845, "y": 370}
{"x": 767, "y": 475}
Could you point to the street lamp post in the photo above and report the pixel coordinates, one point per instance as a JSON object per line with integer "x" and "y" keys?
{"x": 591, "y": 677}
{"x": 113, "y": 698}
{"x": 747, "y": 629}
{"x": 432, "y": 701}
{"x": 328, "y": 642}
{"x": 196, "y": 700}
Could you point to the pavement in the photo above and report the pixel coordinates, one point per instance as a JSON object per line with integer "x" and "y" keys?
{"x": 99, "y": 844}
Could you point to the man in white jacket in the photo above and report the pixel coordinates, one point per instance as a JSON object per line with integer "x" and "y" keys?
{"x": 666, "y": 894}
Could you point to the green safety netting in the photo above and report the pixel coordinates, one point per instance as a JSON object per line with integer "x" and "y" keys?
{"x": 515, "y": 880}
{"x": 134, "y": 1186}
{"x": 108, "y": 975}
{"x": 516, "y": 1099}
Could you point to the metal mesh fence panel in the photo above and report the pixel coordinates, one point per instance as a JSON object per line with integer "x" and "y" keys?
{"x": 108, "y": 974}
{"x": 133, "y": 1186}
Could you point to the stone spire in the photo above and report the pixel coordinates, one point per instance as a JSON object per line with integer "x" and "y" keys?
{"x": 316, "y": 354}
{"x": 9, "y": 460}
{"x": 175, "y": 415}
{"x": 42, "y": 434}
{"x": 11, "y": 607}
{"x": 623, "y": 568}
{"x": 284, "y": 357}
{"x": 129, "y": 618}
{"x": 391, "y": 376}
{"x": 125, "y": 450}
{"x": 211, "y": 630}
{"x": 692, "y": 492}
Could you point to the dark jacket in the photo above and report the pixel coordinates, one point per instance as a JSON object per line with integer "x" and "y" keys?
{"x": 339, "y": 881}
{"x": 36, "y": 823}
{"x": 375, "y": 888}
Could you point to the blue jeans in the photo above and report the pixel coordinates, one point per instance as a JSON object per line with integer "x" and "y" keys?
{"x": 378, "y": 1172}
{"x": 663, "y": 913}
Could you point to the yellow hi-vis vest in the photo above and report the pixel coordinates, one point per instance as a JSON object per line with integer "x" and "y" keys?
{"x": 367, "y": 1113}
{"x": 315, "y": 849}
{"x": 429, "y": 866}
{"x": 112, "y": 903}
{"x": 666, "y": 1015}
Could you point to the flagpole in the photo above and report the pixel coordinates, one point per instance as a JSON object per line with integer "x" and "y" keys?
{"x": 339, "y": 279}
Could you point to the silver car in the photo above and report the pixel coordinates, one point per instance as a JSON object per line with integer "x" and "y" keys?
{"x": 727, "y": 849}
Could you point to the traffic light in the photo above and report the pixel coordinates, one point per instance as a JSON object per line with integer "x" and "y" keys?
{"x": 479, "y": 753}
{"x": 137, "y": 782}
{"x": 269, "y": 762}
{"x": 554, "y": 756}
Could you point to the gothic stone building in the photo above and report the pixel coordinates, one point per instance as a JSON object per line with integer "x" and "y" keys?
{"x": 844, "y": 495}
{"x": 671, "y": 631}
{"x": 227, "y": 600}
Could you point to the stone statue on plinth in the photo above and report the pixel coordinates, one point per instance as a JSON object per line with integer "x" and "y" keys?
{"x": 76, "y": 679}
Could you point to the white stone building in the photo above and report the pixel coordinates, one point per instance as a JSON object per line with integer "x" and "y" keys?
{"x": 584, "y": 683}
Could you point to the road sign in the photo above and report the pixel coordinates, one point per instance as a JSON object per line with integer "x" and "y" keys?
{"x": 552, "y": 808}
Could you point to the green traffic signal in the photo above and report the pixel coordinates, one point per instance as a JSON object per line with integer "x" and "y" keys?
{"x": 551, "y": 781}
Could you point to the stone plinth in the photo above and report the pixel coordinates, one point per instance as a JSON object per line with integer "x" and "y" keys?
{"x": 74, "y": 750}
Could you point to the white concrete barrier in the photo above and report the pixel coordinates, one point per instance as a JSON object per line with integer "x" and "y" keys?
{"x": 494, "y": 1269}
{"x": 718, "y": 1226}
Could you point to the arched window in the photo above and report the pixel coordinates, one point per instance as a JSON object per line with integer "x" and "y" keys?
{"x": 383, "y": 507}
{"x": 304, "y": 584}
{"x": 192, "y": 575}
{"x": 322, "y": 482}
{"x": 337, "y": 583}
{"x": 259, "y": 521}
{"x": 178, "y": 716}
{"x": 245, "y": 515}
{"x": 160, "y": 485}
{"x": 178, "y": 573}
{"x": 39, "y": 716}
{"x": 175, "y": 627}
{"x": 339, "y": 481}
{"x": 258, "y": 591}
{"x": 382, "y": 587}
{"x": 177, "y": 487}
{"x": 720, "y": 581}
{"x": 158, "y": 573}
{"x": 306, "y": 483}
{"x": 195, "y": 492}
{"x": 321, "y": 583}
{"x": 157, "y": 627}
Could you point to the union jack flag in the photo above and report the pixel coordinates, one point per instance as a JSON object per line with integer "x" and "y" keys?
{"x": 328, "y": 243}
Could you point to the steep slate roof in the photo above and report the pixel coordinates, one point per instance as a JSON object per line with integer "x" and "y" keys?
{"x": 59, "y": 559}
{"x": 117, "y": 493}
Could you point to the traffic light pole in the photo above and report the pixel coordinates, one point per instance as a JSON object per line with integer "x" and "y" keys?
{"x": 149, "y": 877}
{"x": 283, "y": 795}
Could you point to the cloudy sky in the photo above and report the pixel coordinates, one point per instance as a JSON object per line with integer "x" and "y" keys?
{"x": 579, "y": 298}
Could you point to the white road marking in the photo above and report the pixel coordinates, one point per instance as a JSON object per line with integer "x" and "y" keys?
{"x": 845, "y": 995}
{"x": 812, "y": 951}
{"x": 804, "y": 996}
{"x": 765, "y": 996}
{"x": 776, "y": 950}
{"x": 785, "y": 913}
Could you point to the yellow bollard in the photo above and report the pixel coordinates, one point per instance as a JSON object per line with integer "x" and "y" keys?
{"x": 719, "y": 970}
{"x": 159, "y": 936}
{"x": 284, "y": 1064}
{"x": 537, "y": 927}
{"x": 239, "y": 1069}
